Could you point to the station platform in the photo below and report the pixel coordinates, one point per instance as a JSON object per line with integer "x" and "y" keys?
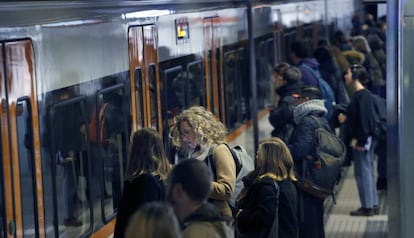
{"x": 338, "y": 222}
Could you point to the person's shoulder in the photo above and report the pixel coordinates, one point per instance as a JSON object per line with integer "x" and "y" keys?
{"x": 203, "y": 229}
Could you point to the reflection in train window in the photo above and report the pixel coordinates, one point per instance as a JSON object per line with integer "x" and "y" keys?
{"x": 174, "y": 91}
{"x": 71, "y": 164}
{"x": 114, "y": 140}
{"x": 195, "y": 86}
{"x": 152, "y": 79}
{"x": 231, "y": 76}
{"x": 27, "y": 167}
{"x": 139, "y": 97}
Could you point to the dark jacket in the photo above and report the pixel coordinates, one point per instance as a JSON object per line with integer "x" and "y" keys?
{"x": 259, "y": 208}
{"x": 138, "y": 190}
{"x": 307, "y": 77}
{"x": 359, "y": 116}
{"x": 281, "y": 117}
{"x": 301, "y": 142}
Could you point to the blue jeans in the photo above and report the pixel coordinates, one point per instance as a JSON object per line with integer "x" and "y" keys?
{"x": 364, "y": 176}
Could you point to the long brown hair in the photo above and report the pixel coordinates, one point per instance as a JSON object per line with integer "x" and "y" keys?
{"x": 147, "y": 154}
{"x": 276, "y": 159}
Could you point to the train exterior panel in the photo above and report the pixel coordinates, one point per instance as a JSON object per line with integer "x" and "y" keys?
{"x": 69, "y": 68}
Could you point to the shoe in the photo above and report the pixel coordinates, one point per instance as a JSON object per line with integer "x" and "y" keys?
{"x": 376, "y": 210}
{"x": 363, "y": 212}
{"x": 71, "y": 222}
{"x": 381, "y": 184}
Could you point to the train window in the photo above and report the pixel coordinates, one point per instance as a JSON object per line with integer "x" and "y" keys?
{"x": 27, "y": 167}
{"x": 195, "y": 89}
{"x": 139, "y": 97}
{"x": 71, "y": 165}
{"x": 231, "y": 76}
{"x": 288, "y": 37}
{"x": 152, "y": 79}
{"x": 244, "y": 84}
{"x": 173, "y": 93}
{"x": 113, "y": 137}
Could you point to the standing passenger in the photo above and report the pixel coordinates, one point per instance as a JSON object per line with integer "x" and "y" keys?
{"x": 308, "y": 114}
{"x": 288, "y": 83}
{"x": 259, "y": 202}
{"x": 190, "y": 185}
{"x": 199, "y": 134}
{"x": 363, "y": 144}
{"x": 148, "y": 167}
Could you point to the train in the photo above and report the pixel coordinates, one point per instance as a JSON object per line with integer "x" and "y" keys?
{"x": 63, "y": 63}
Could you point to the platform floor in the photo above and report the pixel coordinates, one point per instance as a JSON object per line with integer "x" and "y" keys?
{"x": 338, "y": 222}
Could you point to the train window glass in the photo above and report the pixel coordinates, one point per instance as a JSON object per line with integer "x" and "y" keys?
{"x": 113, "y": 137}
{"x": 2, "y": 200}
{"x": 244, "y": 84}
{"x": 70, "y": 164}
{"x": 27, "y": 167}
{"x": 152, "y": 79}
{"x": 195, "y": 89}
{"x": 261, "y": 64}
{"x": 288, "y": 37}
{"x": 231, "y": 76}
{"x": 139, "y": 99}
{"x": 173, "y": 93}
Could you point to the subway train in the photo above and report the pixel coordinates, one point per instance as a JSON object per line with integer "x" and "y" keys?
{"x": 78, "y": 77}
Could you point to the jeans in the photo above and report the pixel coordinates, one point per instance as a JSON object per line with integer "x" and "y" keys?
{"x": 364, "y": 176}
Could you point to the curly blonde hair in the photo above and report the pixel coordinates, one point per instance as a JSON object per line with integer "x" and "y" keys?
{"x": 206, "y": 126}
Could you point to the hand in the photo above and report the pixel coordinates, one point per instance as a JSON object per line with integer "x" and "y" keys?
{"x": 67, "y": 160}
{"x": 359, "y": 148}
{"x": 238, "y": 212}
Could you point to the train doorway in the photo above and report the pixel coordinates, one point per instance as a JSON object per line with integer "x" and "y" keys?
{"x": 214, "y": 84}
{"x": 145, "y": 82}
{"x": 21, "y": 187}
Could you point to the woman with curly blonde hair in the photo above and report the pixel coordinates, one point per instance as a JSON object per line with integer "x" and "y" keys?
{"x": 258, "y": 202}
{"x": 199, "y": 135}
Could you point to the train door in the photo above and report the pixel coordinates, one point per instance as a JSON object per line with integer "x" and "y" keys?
{"x": 214, "y": 84}
{"x": 21, "y": 208}
{"x": 145, "y": 87}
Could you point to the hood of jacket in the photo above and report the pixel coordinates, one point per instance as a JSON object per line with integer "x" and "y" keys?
{"x": 354, "y": 57}
{"x": 208, "y": 213}
{"x": 314, "y": 106}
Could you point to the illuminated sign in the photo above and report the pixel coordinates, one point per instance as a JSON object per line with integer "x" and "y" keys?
{"x": 182, "y": 30}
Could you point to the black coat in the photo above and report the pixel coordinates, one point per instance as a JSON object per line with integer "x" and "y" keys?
{"x": 137, "y": 191}
{"x": 281, "y": 117}
{"x": 259, "y": 209}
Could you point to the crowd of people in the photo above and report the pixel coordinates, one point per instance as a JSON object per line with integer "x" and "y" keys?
{"x": 191, "y": 197}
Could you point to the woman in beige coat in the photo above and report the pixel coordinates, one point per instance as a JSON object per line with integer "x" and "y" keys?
{"x": 198, "y": 134}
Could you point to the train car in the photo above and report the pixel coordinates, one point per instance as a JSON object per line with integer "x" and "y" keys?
{"x": 77, "y": 77}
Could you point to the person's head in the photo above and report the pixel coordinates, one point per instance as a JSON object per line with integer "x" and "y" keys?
{"x": 189, "y": 186}
{"x": 273, "y": 156}
{"x": 153, "y": 220}
{"x": 356, "y": 72}
{"x": 278, "y": 72}
{"x": 147, "y": 154}
{"x": 299, "y": 51}
{"x": 322, "y": 54}
{"x": 196, "y": 126}
{"x": 308, "y": 93}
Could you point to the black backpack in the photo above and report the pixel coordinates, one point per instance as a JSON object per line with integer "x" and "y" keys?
{"x": 320, "y": 176}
